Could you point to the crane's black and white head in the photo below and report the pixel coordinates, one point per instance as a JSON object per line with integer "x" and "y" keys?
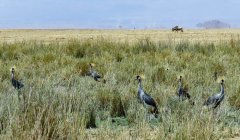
{"x": 90, "y": 65}
{"x": 222, "y": 81}
{"x": 13, "y": 69}
{"x": 139, "y": 78}
{"x": 180, "y": 78}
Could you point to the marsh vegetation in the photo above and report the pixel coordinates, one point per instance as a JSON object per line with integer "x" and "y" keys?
{"x": 59, "y": 101}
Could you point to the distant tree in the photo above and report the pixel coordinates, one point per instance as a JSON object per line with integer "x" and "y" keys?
{"x": 213, "y": 24}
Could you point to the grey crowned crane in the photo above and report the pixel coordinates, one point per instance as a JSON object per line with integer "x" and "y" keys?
{"x": 147, "y": 101}
{"x": 93, "y": 73}
{"x": 182, "y": 92}
{"x": 16, "y": 84}
{"x": 215, "y": 100}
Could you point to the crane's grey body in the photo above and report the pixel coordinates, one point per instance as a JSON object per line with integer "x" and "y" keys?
{"x": 16, "y": 84}
{"x": 215, "y": 100}
{"x": 147, "y": 101}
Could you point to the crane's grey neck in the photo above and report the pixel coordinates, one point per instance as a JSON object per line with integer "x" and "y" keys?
{"x": 222, "y": 89}
{"x": 12, "y": 74}
{"x": 91, "y": 68}
{"x": 140, "y": 84}
{"x": 180, "y": 83}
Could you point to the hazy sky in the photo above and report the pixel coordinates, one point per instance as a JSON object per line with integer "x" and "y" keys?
{"x": 115, "y": 13}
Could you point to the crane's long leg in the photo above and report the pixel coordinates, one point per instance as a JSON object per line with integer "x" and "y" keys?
{"x": 24, "y": 102}
{"x": 19, "y": 92}
{"x": 147, "y": 116}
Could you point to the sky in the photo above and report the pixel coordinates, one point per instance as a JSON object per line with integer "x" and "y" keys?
{"x": 140, "y": 14}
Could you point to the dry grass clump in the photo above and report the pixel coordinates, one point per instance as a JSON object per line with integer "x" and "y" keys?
{"x": 104, "y": 97}
{"x": 159, "y": 75}
{"x": 82, "y": 68}
{"x": 117, "y": 108}
{"x": 234, "y": 99}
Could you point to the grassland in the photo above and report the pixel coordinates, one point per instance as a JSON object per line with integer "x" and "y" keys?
{"x": 59, "y": 102}
{"x": 119, "y": 35}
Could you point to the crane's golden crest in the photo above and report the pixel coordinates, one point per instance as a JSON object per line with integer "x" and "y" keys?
{"x": 13, "y": 67}
{"x": 220, "y": 78}
{"x": 142, "y": 76}
{"x": 93, "y": 64}
{"x": 180, "y": 75}
{"x": 166, "y": 67}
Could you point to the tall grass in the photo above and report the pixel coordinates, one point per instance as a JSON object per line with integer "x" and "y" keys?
{"x": 61, "y": 102}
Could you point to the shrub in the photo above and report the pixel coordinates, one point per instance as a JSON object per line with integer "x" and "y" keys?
{"x": 234, "y": 99}
{"x": 117, "y": 109}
